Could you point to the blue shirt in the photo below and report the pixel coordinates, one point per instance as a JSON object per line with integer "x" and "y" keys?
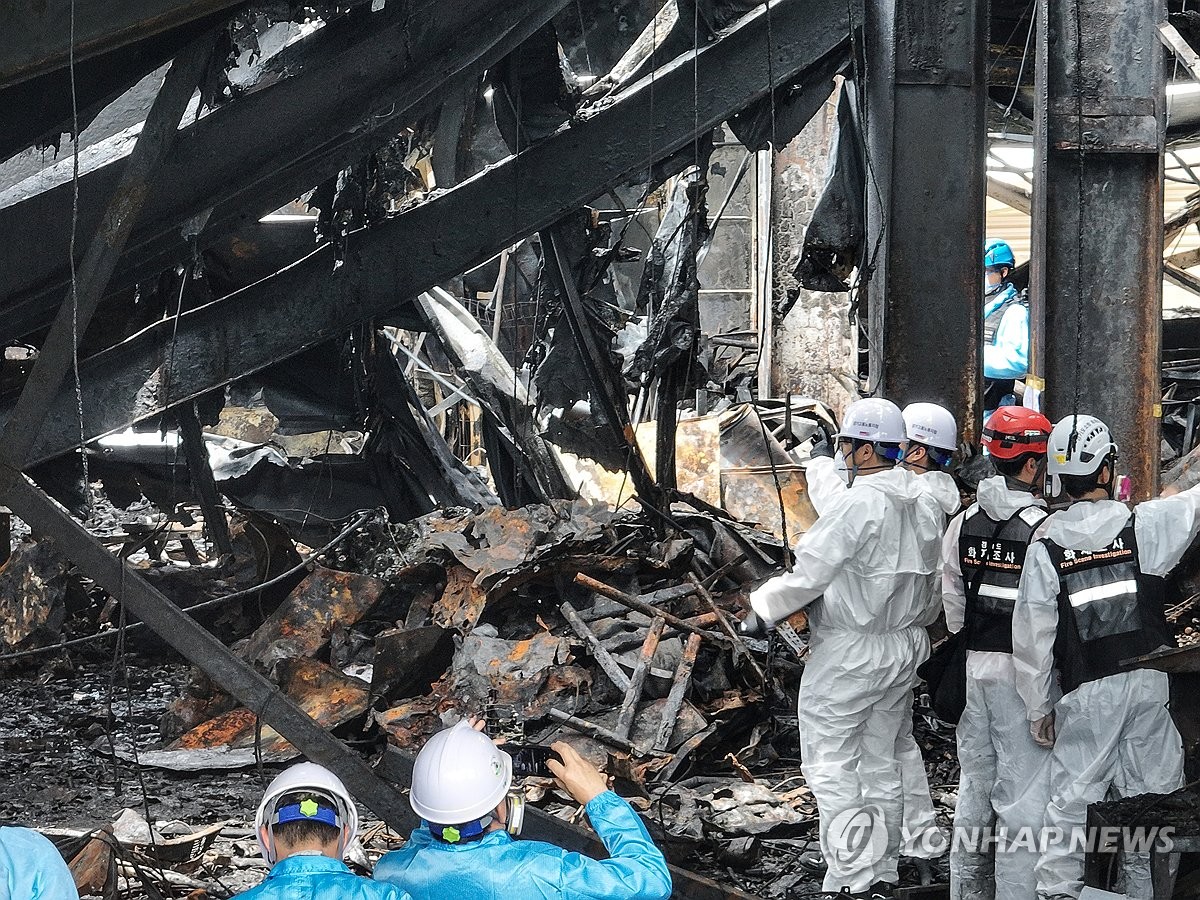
{"x": 32, "y": 869}
{"x": 496, "y": 867}
{"x": 1007, "y": 356}
{"x": 319, "y": 878}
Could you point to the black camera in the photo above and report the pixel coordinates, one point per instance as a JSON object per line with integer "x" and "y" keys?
{"x": 530, "y": 759}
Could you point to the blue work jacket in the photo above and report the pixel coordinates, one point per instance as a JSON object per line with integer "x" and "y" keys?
{"x": 497, "y": 867}
{"x": 1007, "y": 355}
{"x": 311, "y": 877}
{"x": 32, "y": 869}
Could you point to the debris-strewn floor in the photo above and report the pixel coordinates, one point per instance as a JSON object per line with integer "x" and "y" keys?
{"x": 608, "y": 628}
{"x": 64, "y": 779}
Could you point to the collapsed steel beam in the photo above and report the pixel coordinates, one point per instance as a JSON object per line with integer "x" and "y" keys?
{"x": 448, "y": 234}
{"x": 198, "y": 646}
{"x": 121, "y": 211}
{"x": 607, "y": 389}
{"x": 359, "y": 82}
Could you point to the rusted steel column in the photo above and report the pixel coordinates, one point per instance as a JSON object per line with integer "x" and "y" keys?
{"x": 925, "y": 132}
{"x": 1098, "y": 226}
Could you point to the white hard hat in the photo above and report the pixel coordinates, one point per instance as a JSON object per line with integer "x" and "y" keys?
{"x": 931, "y": 425}
{"x": 873, "y": 419}
{"x": 305, "y": 776}
{"x": 1091, "y": 446}
{"x": 459, "y": 776}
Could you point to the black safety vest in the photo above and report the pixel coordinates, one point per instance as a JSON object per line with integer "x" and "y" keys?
{"x": 990, "y": 555}
{"x": 1108, "y": 610}
{"x": 991, "y": 322}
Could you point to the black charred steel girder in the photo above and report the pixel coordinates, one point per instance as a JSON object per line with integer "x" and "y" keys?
{"x": 387, "y": 264}
{"x": 201, "y": 648}
{"x": 1098, "y": 222}
{"x": 355, "y": 84}
{"x": 40, "y": 108}
{"x": 37, "y": 36}
{"x": 925, "y": 131}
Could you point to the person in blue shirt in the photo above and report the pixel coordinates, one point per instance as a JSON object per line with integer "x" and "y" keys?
{"x": 465, "y": 848}
{"x": 32, "y": 869}
{"x": 1005, "y": 328}
{"x": 304, "y": 824}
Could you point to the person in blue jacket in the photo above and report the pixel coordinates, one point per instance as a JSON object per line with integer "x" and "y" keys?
{"x": 465, "y": 847}
{"x": 31, "y": 868}
{"x": 1005, "y": 328}
{"x": 304, "y": 824}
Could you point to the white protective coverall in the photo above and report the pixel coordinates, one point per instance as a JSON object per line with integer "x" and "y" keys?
{"x": 874, "y": 555}
{"x": 921, "y": 838}
{"x": 1004, "y": 781}
{"x": 1114, "y": 733}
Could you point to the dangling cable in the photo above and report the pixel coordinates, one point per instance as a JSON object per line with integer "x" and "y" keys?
{"x": 87, "y": 482}
{"x": 762, "y": 426}
{"x": 1078, "y": 224}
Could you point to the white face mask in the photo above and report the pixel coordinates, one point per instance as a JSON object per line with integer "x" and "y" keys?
{"x": 842, "y": 468}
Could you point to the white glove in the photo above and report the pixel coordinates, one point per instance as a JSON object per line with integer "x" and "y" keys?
{"x": 1043, "y": 731}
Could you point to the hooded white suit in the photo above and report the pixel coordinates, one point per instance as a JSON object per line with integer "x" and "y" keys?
{"x": 874, "y": 556}
{"x": 922, "y": 839}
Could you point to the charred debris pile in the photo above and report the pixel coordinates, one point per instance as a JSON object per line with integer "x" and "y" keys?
{"x": 611, "y": 629}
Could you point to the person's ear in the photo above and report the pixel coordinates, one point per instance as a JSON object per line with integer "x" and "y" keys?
{"x": 1029, "y": 471}
{"x": 1106, "y": 474}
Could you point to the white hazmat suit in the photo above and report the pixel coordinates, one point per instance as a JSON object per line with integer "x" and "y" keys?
{"x": 1004, "y": 781}
{"x": 873, "y": 555}
{"x": 1113, "y": 733}
{"x": 921, "y": 837}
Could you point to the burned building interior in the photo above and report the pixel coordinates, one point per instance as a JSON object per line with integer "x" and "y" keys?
{"x": 376, "y": 363}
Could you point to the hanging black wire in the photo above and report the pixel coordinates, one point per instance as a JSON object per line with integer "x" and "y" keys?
{"x": 87, "y": 490}
{"x": 1079, "y": 183}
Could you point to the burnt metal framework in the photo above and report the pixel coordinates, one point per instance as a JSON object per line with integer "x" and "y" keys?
{"x": 1098, "y": 224}
{"x": 359, "y": 83}
{"x": 925, "y": 132}
{"x": 309, "y": 301}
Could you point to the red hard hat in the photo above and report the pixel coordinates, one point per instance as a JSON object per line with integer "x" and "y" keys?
{"x": 1013, "y": 430}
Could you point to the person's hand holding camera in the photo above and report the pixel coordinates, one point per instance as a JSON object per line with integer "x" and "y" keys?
{"x": 575, "y": 775}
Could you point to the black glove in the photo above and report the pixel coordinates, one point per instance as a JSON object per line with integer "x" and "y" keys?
{"x": 821, "y": 447}
{"x": 754, "y": 626}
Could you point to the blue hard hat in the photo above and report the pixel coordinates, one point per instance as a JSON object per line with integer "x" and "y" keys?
{"x": 998, "y": 253}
